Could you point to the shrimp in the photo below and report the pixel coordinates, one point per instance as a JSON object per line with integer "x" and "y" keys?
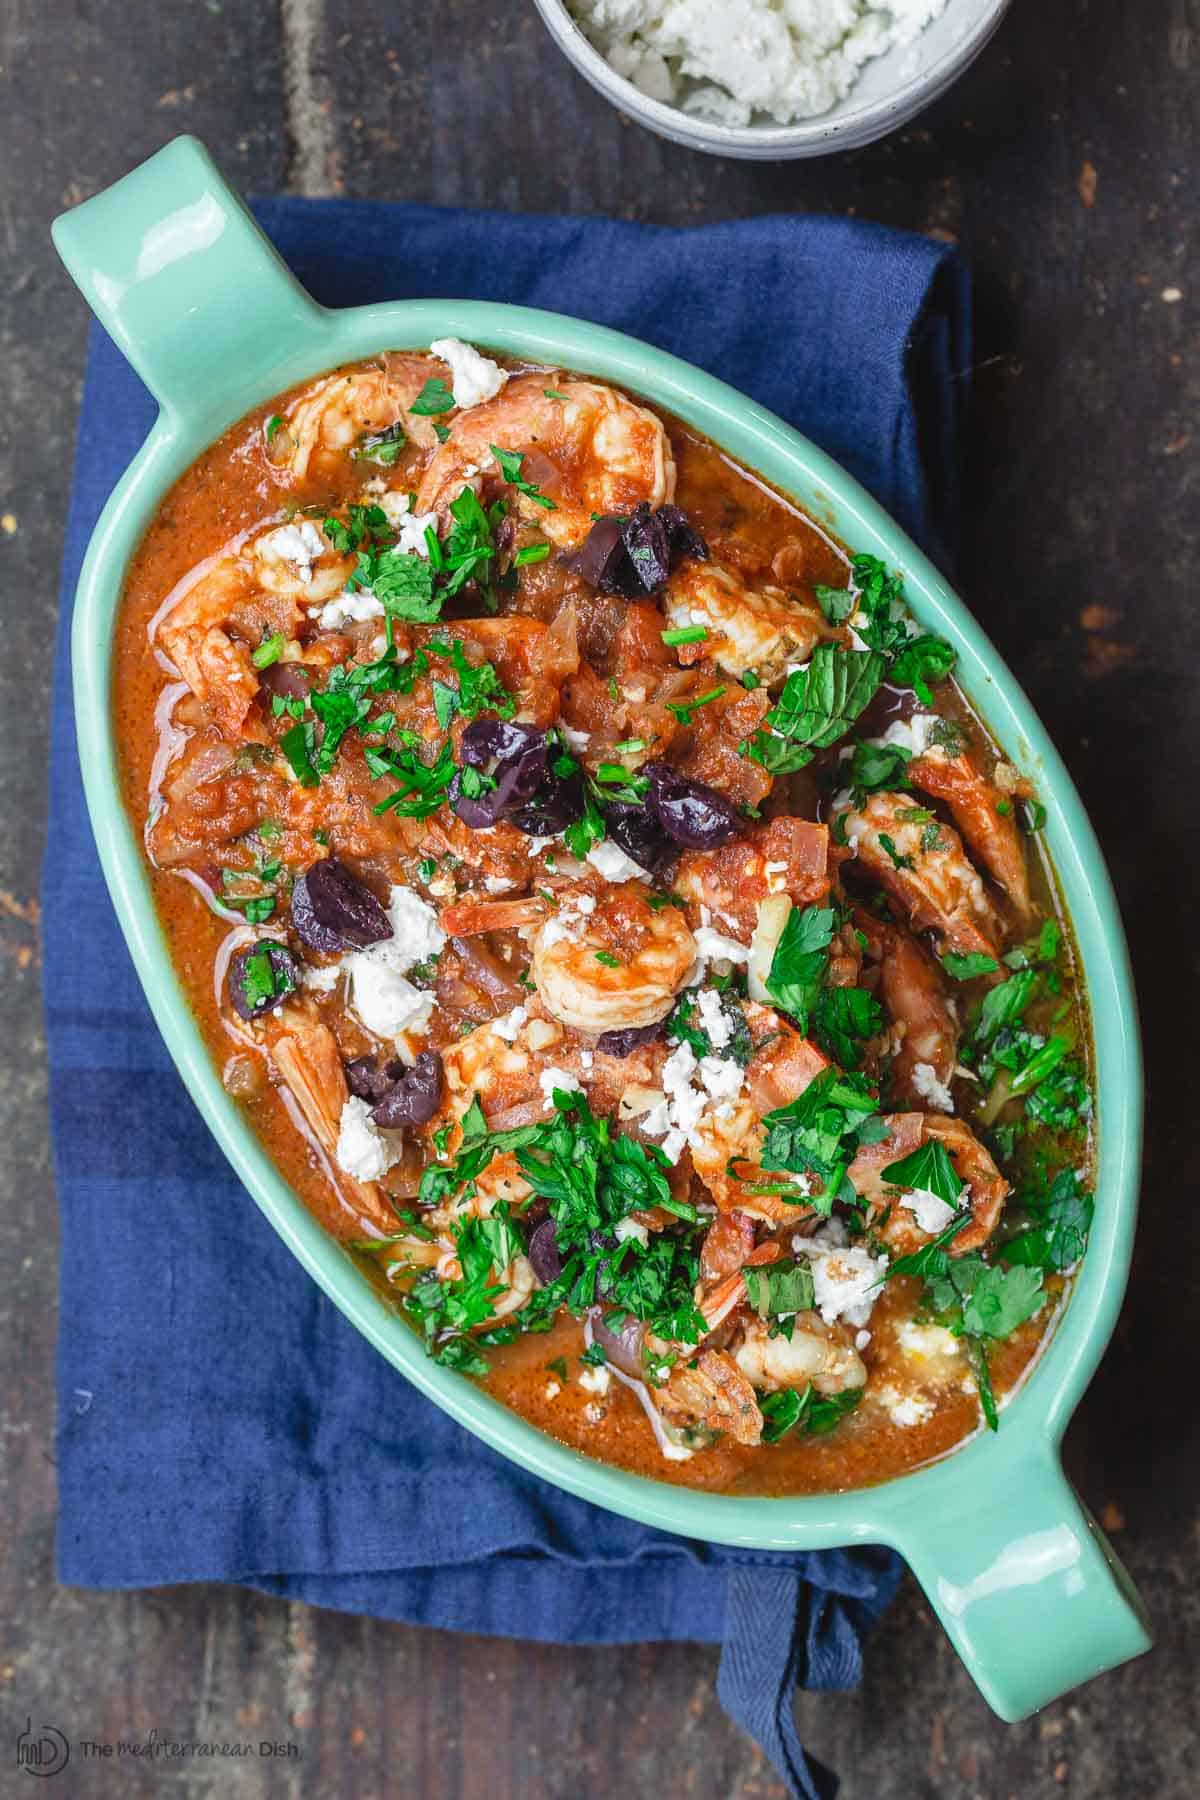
{"x": 788, "y": 856}
{"x": 610, "y": 963}
{"x": 816, "y": 1353}
{"x": 973, "y": 801}
{"x": 306, "y": 1056}
{"x": 217, "y": 615}
{"x": 931, "y": 877}
{"x": 924, "y": 1022}
{"x": 326, "y": 423}
{"x": 984, "y": 1193}
{"x": 727, "y": 1144}
{"x": 590, "y": 451}
{"x": 759, "y": 628}
{"x": 712, "y": 1395}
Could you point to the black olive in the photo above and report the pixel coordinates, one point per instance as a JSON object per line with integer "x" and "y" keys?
{"x": 543, "y": 1252}
{"x": 415, "y": 1097}
{"x": 626, "y": 1041}
{"x": 691, "y": 812}
{"x": 261, "y": 977}
{"x": 332, "y": 910}
{"x": 368, "y": 1081}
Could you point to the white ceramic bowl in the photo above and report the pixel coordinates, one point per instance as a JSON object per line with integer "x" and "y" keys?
{"x": 891, "y": 90}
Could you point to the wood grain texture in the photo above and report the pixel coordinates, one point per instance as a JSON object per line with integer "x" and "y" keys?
{"x": 1064, "y": 162}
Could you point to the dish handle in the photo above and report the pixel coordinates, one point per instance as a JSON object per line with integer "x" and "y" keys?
{"x": 1027, "y": 1587}
{"x": 187, "y": 286}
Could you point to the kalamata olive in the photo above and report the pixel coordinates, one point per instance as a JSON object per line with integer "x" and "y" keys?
{"x": 543, "y": 1252}
{"x": 478, "y": 812}
{"x": 557, "y": 803}
{"x": 526, "y": 793}
{"x": 691, "y": 812}
{"x": 485, "y": 739}
{"x": 333, "y": 910}
{"x": 635, "y": 830}
{"x": 682, "y": 535}
{"x": 603, "y": 560}
{"x": 415, "y": 1098}
{"x": 633, "y": 556}
{"x": 623, "y": 1348}
{"x": 367, "y": 1079}
{"x": 626, "y": 1041}
{"x": 648, "y": 544}
{"x": 260, "y": 977}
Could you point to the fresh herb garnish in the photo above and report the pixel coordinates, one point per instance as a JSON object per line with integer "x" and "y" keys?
{"x": 818, "y": 1133}
{"x": 381, "y": 447}
{"x": 435, "y": 397}
{"x": 269, "y": 651}
{"x": 805, "y": 1411}
{"x": 800, "y": 961}
{"x": 510, "y": 467}
{"x": 966, "y": 968}
{"x": 818, "y": 705}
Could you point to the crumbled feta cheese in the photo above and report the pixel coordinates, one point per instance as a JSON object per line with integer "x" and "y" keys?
{"x": 906, "y": 1409}
{"x": 549, "y": 1079}
{"x": 473, "y": 377}
{"x": 386, "y": 1003}
{"x": 384, "y": 1000}
{"x": 349, "y": 609}
{"x": 629, "y": 1228}
{"x": 754, "y": 58}
{"x": 910, "y": 734}
{"x": 722, "y": 1077}
{"x": 552, "y": 1390}
{"x": 575, "y": 740}
{"x": 931, "y": 1213}
{"x": 714, "y": 1018}
{"x": 596, "y": 1381}
{"x": 928, "y": 1343}
{"x": 324, "y": 979}
{"x": 925, "y": 1080}
{"x": 609, "y": 860}
{"x": 410, "y": 526}
{"x": 363, "y": 1151}
{"x": 593, "y": 1412}
{"x": 498, "y": 884}
{"x": 845, "y": 1280}
{"x": 566, "y": 925}
{"x": 509, "y": 1024}
{"x": 586, "y": 1059}
{"x": 299, "y": 544}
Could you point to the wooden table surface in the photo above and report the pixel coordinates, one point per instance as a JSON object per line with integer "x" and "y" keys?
{"x": 1064, "y": 164}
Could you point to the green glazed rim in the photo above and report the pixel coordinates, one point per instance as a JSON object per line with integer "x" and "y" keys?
{"x": 980, "y": 1526}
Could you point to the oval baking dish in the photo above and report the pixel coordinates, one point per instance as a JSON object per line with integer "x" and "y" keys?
{"x": 1017, "y": 1570}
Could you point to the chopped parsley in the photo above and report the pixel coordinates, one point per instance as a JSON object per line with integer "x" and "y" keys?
{"x": 819, "y": 1133}
{"x": 510, "y": 467}
{"x": 805, "y": 1411}
{"x": 269, "y": 651}
{"x": 435, "y": 397}
{"x": 381, "y": 447}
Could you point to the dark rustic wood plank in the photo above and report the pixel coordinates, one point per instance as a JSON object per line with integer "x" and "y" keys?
{"x": 1080, "y": 557}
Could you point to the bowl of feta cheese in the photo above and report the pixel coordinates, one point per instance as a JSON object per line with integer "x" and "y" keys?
{"x": 771, "y": 79}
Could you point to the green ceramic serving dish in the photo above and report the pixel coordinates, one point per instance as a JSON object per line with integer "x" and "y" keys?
{"x": 1016, "y": 1568}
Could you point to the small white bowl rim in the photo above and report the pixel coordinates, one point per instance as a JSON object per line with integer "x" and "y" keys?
{"x": 822, "y": 128}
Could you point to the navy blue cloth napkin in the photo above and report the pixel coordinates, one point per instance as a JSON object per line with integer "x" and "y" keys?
{"x": 218, "y": 1418}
